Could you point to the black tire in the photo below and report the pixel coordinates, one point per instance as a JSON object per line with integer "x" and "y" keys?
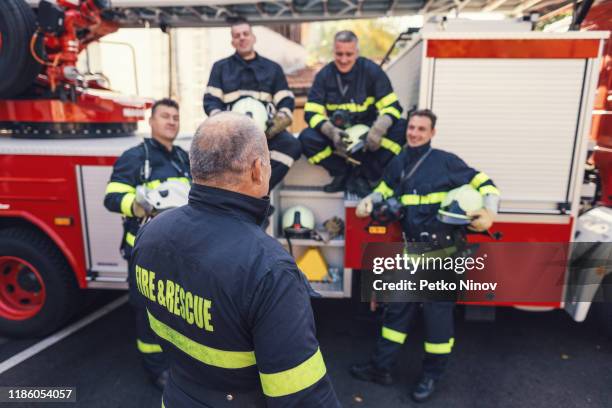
{"x": 58, "y": 281}
{"x": 18, "y": 68}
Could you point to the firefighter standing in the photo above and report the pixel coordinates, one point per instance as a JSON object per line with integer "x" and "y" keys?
{"x": 437, "y": 172}
{"x": 154, "y": 161}
{"x": 351, "y": 90}
{"x": 247, "y": 74}
{"x": 228, "y": 303}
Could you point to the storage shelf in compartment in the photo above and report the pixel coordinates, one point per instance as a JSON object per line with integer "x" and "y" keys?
{"x": 311, "y": 242}
{"x": 329, "y": 289}
{"x": 309, "y": 193}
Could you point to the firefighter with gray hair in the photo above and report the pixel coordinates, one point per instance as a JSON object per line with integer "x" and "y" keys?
{"x": 228, "y": 304}
{"x": 353, "y": 117}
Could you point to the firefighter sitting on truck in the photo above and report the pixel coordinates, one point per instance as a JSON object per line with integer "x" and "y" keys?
{"x": 152, "y": 162}
{"x": 248, "y": 83}
{"x": 348, "y": 93}
{"x": 423, "y": 179}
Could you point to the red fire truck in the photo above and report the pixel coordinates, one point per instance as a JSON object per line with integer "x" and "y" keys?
{"x": 517, "y": 104}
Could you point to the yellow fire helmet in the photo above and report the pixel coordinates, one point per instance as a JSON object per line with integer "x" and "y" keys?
{"x": 254, "y": 109}
{"x": 457, "y": 203}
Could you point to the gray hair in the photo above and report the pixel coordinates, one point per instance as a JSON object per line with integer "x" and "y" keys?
{"x": 224, "y": 147}
{"x": 346, "y": 36}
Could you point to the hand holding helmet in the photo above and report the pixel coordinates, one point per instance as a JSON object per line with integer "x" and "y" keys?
{"x": 338, "y": 136}
{"x": 482, "y": 220}
{"x": 277, "y": 124}
{"x": 366, "y": 205}
{"x": 141, "y": 206}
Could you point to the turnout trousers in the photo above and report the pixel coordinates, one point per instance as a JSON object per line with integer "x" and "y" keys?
{"x": 285, "y": 149}
{"x": 439, "y": 340}
{"x": 318, "y": 149}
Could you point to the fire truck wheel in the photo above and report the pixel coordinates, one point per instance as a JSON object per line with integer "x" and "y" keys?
{"x": 17, "y": 66}
{"x": 38, "y": 291}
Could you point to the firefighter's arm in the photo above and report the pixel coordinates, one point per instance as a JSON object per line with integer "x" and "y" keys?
{"x": 386, "y": 101}
{"x": 282, "y": 97}
{"x": 383, "y": 191}
{"x": 213, "y": 96}
{"x": 290, "y": 363}
{"x": 315, "y": 113}
{"x": 121, "y": 189}
{"x": 462, "y": 174}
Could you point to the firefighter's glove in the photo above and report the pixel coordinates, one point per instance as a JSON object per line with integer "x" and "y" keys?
{"x": 366, "y": 205}
{"x": 377, "y": 131}
{"x": 338, "y": 136}
{"x": 277, "y": 124}
{"x": 481, "y": 220}
{"x": 141, "y": 206}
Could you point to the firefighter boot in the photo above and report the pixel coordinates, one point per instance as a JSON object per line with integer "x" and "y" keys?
{"x": 424, "y": 388}
{"x": 337, "y": 184}
{"x": 369, "y": 372}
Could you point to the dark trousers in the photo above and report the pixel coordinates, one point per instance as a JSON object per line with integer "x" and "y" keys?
{"x": 284, "y": 150}
{"x": 148, "y": 345}
{"x": 319, "y": 150}
{"x": 439, "y": 340}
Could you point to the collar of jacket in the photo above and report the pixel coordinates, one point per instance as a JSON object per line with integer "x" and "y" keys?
{"x": 243, "y": 61}
{"x": 250, "y": 208}
{"x": 417, "y": 152}
{"x": 349, "y": 75}
{"x": 157, "y": 145}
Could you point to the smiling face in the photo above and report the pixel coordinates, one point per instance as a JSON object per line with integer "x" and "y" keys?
{"x": 243, "y": 40}
{"x": 419, "y": 131}
{"x": 345, "y": 55}
{"x": 165, "y": 124}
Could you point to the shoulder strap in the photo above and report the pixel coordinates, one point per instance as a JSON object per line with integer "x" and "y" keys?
{"x": 405, "y": 177}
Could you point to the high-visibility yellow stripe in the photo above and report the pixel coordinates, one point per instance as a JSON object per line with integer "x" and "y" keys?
{"x": 415, "y": 199}
{"x": 148, "y": 348}
{"x": 384, "y": 189}
{"x": 207, "y": 355}
{"x": 391, "y": 111}
{"x": 322, "y": 155}
{"x": 390, "y": 145}
{"x": 393, "y": 335}
{"x": 440, "y": 348}
{"x": 484, "y": 190}
{"x": 130, "y": 239}
{"x": 126, "y": 204}
{"x": 352, "y": 107}
{"x": 116, "y": 187}
{"x": 295, "y": 379}
{"x": 316, "y": 119}
{"x": 314, "y": 107}
{"x": 386, "y": 101}
{"x": 478, "y": 179}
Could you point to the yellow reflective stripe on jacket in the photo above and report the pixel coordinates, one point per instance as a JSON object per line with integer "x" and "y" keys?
{"x": 207, "y": 355}
{"x": 384, "y": 189}
{"x": 415, "y": 199}
{"x": 322, "y": 155}
{"x": 315, "y": 108}
{"x": 386, "y": 101}
{"x": 478, "y": 179}
{"x": 439, "y": 348}
{"x": 126, "y": 204}
{"x": 156, "y": 183}
{"x": 484, "y": 190}
{"x": 390, "y": 110}
{"x": 116, "y": 187}
{"x": 352, "y": 107}
{"x": 295, "y": 379}
{"x": 130, "y": 238}
{"x": 390, "y": 145}
{"x": 316, "y": 119}
{"x": 393, "y": 335}
{"x": 148, "y": 348}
